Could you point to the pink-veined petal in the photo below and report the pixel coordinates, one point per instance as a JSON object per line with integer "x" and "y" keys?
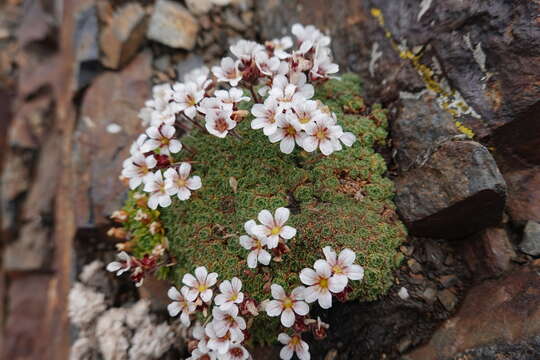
{"x": 174, "y": 294}
{"x": 183, "y": 193}
{"x": 300, "y": 307}
{"x": 174, "y": 308}
{"x": 190, "y": 280}
{"x": 252, "y": 260}
{"x": 288, "y": 232}
{"x": 277, "y": 292}
{"x": 273, "y": 308}
{"x": 287, "y": 318}
{"x": 264, "y": 257}
{"x": 266, "y": 218}
{"x": 337, "y": 283}
{"x": 184, "y": 170}
{"x": 308, "y": 276}
{"x": 325, "y": 300}
{"x": 194, "y": 183}
{"x": 355, "y": 272}
{"x": 282, "y": 215}
{"x": 322, "y": 268}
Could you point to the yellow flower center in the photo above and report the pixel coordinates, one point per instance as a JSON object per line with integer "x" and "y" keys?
{"x": 165, "y": 141}
{"x": 275, "y": 230}
{"x": 290, "y": 130}
{"x": 271, "y": 119}
{"x": 181, "y": 182}
{"x": 323, "y": 283}
{"x": 287, "y": 303}
{"x": 337, "y": 269}
{"x": 201, "y": 288}
{"x": 234, "y": 297}
{"x": 295, "y": 340}
{"x": 321, "y": 134}
{"x": 304, "y": 119}
{"x": 191, "y": 100}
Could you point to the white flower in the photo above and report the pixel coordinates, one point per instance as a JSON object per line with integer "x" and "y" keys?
{"x": 309, "y": 37}
{"x": 274, "y": 228}
{"x": 232, "y": 96}
{"x": 267, "y": 65}
{"x": 179, "y": 182}
{"x": 266, "y": 116}
{"x": 305, "y": 112}
{"x": 288, "y": 133}
{"x": 135, "y": 147}
{"x": 221, "y": 343}
{"x": 161, "y": 94}
{"x": 200, "y": 284}
{"x": 228, "y": 320}
{"x": 255, "y": 243}
{"x": 322, "y": 134}
{"x": 293, "y": 344}
{"x": 347, "y": 138}
{"x": 121, "y": 266}
{"x": 180, "y": 304}
{"x": 137, "y": 169}
{"x": 165, "y": 116}
{"x": 161, "y": 138}
{"x": 235, "y": 352}
{"x": 159, "y": 195}
{"x": 145, "y": 114}
{"x": 199, "y": 76}
{"x": 213, "y": 103}
{"x": 321, "y": 284}
{"x": 199, "y": 354}
{"x": 186, "y": 97}
{"x": 343, "y": 265}
{"x": 219, "y": 122}
{"x": 246, "y": 50}
{"x": 228, "y": 71}
{"x": 280, "y": 45}
{"x": 286, "y": 92}
{"x": 198, "y": 332}
{"x": 287, "y": 305}
{"x": 230, "y": 294}
{"x": 323, "y": 66}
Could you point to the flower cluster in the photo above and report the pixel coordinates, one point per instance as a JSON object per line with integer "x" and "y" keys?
{"x": 271, "y": 234}
{"x": 229, "y": 313}
{"x": 280, "y": 84}
{"x": 138, "y": 268}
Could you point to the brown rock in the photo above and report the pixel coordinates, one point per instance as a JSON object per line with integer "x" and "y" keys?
{"x": 155, "y": 291}
{"x": 414, "y": 266}
{"x": 26, "y": 314}
{"x": 489, "y": 253}
{"x": 458, "y": 191}
{"x": 172, "y": 24}
{"x": 86, "y": 44}
{"x": 531, "y": 239}
{"x": 123, "y": 36}
{"x": 30, "y": 123}
{"x": 36, "y": 25}
{"x": 503, "y": 310}
{"x": 523, "y": 201}
{"x": 113, "y": 98}
{"x": 448, "y": 299}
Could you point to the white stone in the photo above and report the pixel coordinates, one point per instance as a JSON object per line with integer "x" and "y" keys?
{"x": 173, "y": 25}
{"x": 403, "y": 293}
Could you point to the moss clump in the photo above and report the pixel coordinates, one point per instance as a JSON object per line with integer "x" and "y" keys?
{"x": 342, "y": 200}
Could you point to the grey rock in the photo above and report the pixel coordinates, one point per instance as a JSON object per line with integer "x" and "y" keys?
{"x": 420, "y": 127}
{"x": 189, "y": 63}
{"x": 173, "y": 25}
{"x": 531, "y": 239}
{"x": 86, "y": 42}
{"x": 458, "y": 191}
{"x": 199, "y": 7}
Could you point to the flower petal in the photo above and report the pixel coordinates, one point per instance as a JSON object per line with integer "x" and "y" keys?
{"x": 264, "y": 257}
{"x": 174, "y": 294}
{"x": 266, "y": 218}
{"x": 252, "y": 260}
{"x": 308, "y": 276}
{"x": 301, "y": 308}
{"x": 201, "y": 273}
{"x": 346, "y": 257}
{"x": 174, "y": 308}
{"x": 287, "y": 318}
{"x": 337, "y": 283}
{"x": 355, "y": 272}
{"x": 322, "y": 268}
{"x": 282, "y": 215}
{"x": 277, "y": 292}
{"x": 288, "y": 232}
{"x": 325, "y": 300}
{"x": 194, "y": 183}
{"x": 273, "y": 308}
{"x": 184, "y": 170}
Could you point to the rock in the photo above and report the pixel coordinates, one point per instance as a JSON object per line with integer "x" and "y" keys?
{"x": 155, "y": 291}
{"x": 36, "y": 24}
{"x": 496, "y": 311}
{"x": 37, "y": 73}
{"x": 28, "y": 296}
{"x": 30, "y": 123}
{"x": 403, "y": 293}
{"x": 448, "y": 299}
{"x": 418, "y": 129}
{"x": 414, "y": 266}
{"x": 429, "y": 295}
{"x": 98, "y": 155}
{"x": 199, "y": 7}
{"x": 523, "y": 202}
{"x": 191, "y": 62}
{"x": 448, "y": 281}
{"x": 531, "y": 239}
{"x": 458, "y": 191}
{"x": 123, "y": 36}
{"x": 171, "y": 24}
{"x": 86, "y": 45}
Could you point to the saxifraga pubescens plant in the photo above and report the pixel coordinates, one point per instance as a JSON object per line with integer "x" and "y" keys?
{"x": 309, "y": 194}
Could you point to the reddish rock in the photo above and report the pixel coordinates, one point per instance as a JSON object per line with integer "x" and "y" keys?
{"x": 523, "y": 202}
{"x": 489, "y": 253}
{"x": 113, "y": 98}
{"x": 456, "y": 192}
{"x": 123, "y": 35}
{"x": 506, "y": 310}
{"x": 27, "y": 305}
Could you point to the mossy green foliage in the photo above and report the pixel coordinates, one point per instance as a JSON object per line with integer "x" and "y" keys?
{"x": 342, "y": 200}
